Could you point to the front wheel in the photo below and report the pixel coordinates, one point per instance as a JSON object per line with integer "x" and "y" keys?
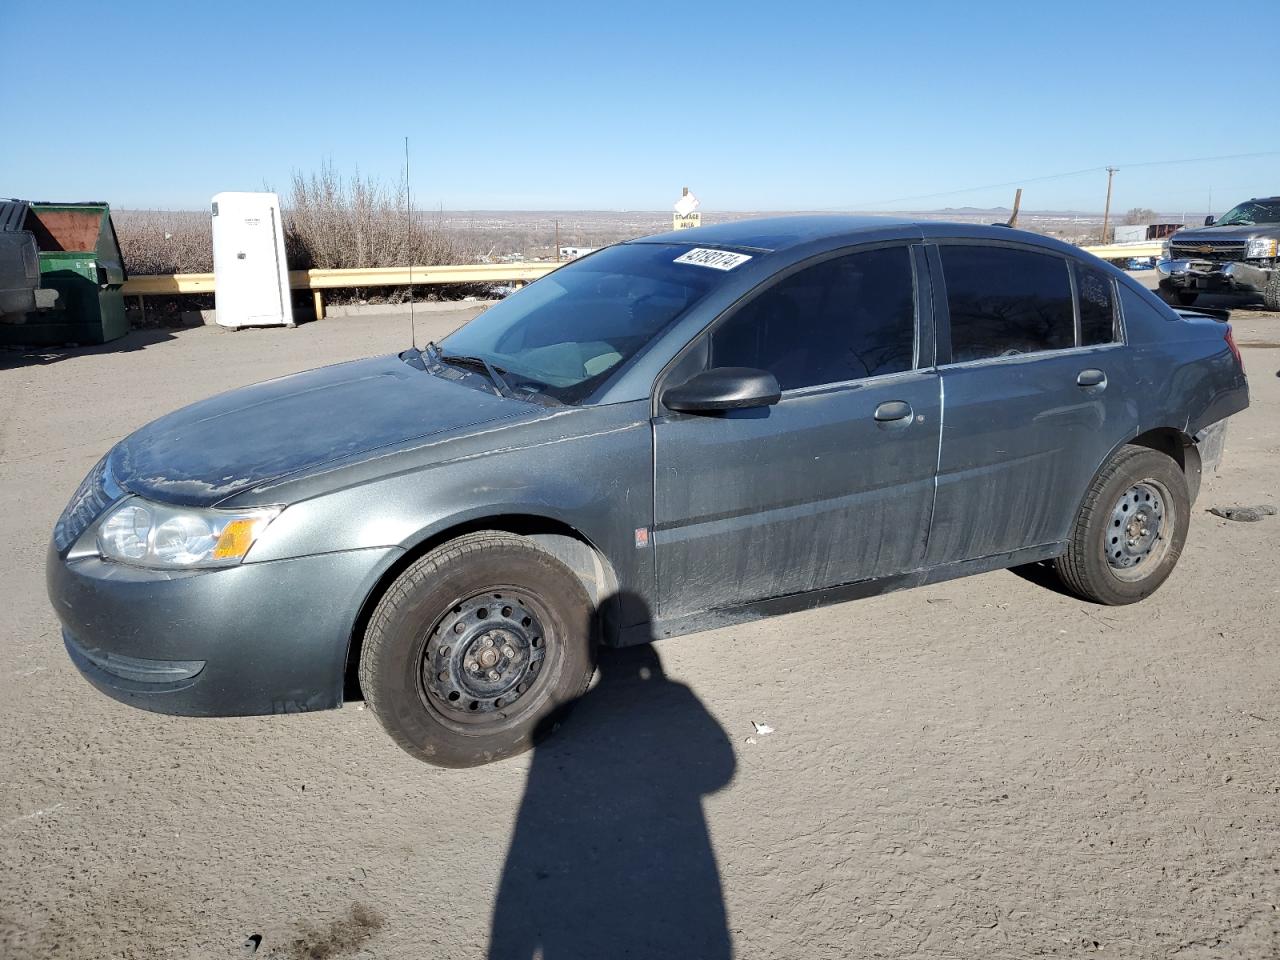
{"x": 1130, "y": 530}
{"x": 476, "y": 649}
{"x": 1271, "y": 292}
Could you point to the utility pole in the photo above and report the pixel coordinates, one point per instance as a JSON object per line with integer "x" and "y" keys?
{"x": 1106, "y": 213}
{"x": 1017, "y": 205}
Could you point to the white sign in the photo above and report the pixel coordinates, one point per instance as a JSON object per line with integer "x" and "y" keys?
{"x": 715, "y": 259}
{"x": 689, "y": 221}
{"x": 686, "y": 204}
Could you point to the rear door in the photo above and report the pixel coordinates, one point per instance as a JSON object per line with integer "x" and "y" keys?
{"x": 1034, "y": 378}
{"x": 832, "y": 484}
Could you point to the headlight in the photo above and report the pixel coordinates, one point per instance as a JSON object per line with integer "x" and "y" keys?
{"x": 156, "y": 535}
{"x": 1164, "y": 250}
{"x": 1261, "y": 247}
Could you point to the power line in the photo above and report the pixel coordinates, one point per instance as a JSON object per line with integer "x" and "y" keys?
{"x": 1060, "y": 176}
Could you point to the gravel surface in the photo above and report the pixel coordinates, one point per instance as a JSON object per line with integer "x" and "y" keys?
{"x": 979, "y": 768}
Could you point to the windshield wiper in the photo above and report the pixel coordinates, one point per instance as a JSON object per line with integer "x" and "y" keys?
{"x": 462, "y": 360}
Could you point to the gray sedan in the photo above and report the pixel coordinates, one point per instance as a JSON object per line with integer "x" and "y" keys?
{"x": 667, "y": 435}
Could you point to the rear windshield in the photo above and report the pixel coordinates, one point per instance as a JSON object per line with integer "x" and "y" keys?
{"x": 565, "y": 334}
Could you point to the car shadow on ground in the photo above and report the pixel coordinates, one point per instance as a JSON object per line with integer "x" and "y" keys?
{"x": 611, "y": 856}
{"x": 12, "y": 358}
{"x": 1042, "y": 574}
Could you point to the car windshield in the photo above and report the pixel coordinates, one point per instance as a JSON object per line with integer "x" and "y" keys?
{"x": 1251, "y": 212}
{"x": 565, "y": 334}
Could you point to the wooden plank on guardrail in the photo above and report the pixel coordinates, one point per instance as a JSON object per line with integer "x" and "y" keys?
{"x": 179, "y": 283}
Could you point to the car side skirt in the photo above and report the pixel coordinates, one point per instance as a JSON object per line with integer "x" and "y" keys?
{"x": 813, "y": 599}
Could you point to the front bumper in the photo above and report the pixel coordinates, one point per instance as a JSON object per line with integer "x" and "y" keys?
{"x": 1209, "y": 276}
{"x": 256, "y": 638}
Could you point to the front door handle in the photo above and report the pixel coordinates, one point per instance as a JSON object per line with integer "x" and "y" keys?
{"x": 1091, "y": 378}
{"x": 892, "y": 411}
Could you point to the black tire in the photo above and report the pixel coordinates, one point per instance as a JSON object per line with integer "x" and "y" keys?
{"x": 1271, "y": 292}
{"x": 1137, "y": 490}
{"x": 435, "y": 668}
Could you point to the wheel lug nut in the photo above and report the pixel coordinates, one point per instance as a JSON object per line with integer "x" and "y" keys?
{"x": 486, "y": 642}
{"x": 508, "y": 653}
{"x": 493, "y": 674}
{"x": 472, "y": 666}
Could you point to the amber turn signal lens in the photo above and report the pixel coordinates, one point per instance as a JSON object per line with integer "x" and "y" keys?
{"x": 236, "y": 539}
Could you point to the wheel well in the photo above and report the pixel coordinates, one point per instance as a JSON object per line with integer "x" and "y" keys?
{"x": 1181, "y": 448}
{"x": 559, "y": 539}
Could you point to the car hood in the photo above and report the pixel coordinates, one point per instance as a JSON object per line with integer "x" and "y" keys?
{"x": 1241, "y": 232}
{"x": 216, "y": 448}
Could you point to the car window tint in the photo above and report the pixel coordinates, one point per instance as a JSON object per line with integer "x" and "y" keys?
{"x": 1005, "y": 302}
{"x": 1134, "y": 306}
{"x": 843, "y": 319}
{"x": 1097, "y": 306}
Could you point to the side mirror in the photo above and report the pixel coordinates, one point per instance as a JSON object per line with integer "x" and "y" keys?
{"x": 1210, "y": 220}
{"x": 724, "y": 388}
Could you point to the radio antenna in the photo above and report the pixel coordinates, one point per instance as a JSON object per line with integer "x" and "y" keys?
{"x": 408, "y": 224}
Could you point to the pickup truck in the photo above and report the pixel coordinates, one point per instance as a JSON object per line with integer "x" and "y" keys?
{"x": 1236, "y": 254}
{"x": 20, "y": 292}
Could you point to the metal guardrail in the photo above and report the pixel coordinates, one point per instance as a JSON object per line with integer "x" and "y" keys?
{"x": 317, "y": 281}
{"x": 1122, "y": 251}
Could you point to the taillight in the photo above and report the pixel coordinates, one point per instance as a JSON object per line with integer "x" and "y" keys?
{"x": 1235, "y": 351}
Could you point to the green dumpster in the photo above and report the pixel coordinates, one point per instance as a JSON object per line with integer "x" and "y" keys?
{"x": 80, "y": 260}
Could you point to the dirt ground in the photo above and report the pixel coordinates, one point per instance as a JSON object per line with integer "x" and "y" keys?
{"x": 983, "y": 768}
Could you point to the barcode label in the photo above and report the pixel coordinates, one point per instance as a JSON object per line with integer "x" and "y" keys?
{"x": 715, "y": 259}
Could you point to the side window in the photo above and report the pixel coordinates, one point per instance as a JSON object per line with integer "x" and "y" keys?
{"x": 842, "y": 319}
{"x": 1004, "y": 302}
{"x": 1097, "y": 306}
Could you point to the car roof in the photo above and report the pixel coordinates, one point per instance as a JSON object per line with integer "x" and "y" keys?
{"x": 778, "y": 233}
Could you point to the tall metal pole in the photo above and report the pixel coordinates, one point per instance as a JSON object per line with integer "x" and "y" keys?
{"x": 1017, "y": 205}
{"x": 1106, "y": 213}
{"x": 557, "y": 241}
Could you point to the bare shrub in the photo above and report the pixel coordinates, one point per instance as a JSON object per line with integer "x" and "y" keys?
{"x": 335, "y": 224}
{"x": 164, "y": 241}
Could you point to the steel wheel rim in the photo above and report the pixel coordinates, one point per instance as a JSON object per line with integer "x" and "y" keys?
{"x": 1138, "y": 529}
{"x": 488, "y": 659}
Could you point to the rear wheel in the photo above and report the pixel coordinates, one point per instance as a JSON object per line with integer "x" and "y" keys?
{"x": 476, "y": 649}
{"x": 1130, "y": 530}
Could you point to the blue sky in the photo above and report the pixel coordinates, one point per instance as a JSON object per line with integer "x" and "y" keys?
{"x": 615, "y": 105}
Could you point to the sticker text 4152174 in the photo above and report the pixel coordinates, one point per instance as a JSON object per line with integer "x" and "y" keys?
{"x": 715, "y": 259}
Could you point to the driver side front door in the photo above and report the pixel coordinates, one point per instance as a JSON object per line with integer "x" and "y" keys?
{"x": 834, "y": 483}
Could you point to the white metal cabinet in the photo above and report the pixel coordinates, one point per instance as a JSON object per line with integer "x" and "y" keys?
{"x": 250, "y": 272}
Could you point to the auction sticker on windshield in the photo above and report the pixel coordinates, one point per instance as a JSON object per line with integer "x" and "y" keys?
{"x": 715, "y": 259}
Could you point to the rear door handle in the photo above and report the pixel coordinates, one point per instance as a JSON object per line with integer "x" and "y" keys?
{"x": 892, "y": 411}
{"x": 1091, "y": 378}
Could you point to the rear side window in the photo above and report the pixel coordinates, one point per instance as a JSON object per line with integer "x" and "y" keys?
{"x": 1005, "y": 302}
{"x": 843, "y": 319}
{"x": 1135, "y": 307}
{"x": 1097, "y": 306}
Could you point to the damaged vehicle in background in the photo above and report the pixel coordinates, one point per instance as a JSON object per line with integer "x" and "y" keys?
{"x": 1238, "y": 253}
{"x": 668, "y": 435}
